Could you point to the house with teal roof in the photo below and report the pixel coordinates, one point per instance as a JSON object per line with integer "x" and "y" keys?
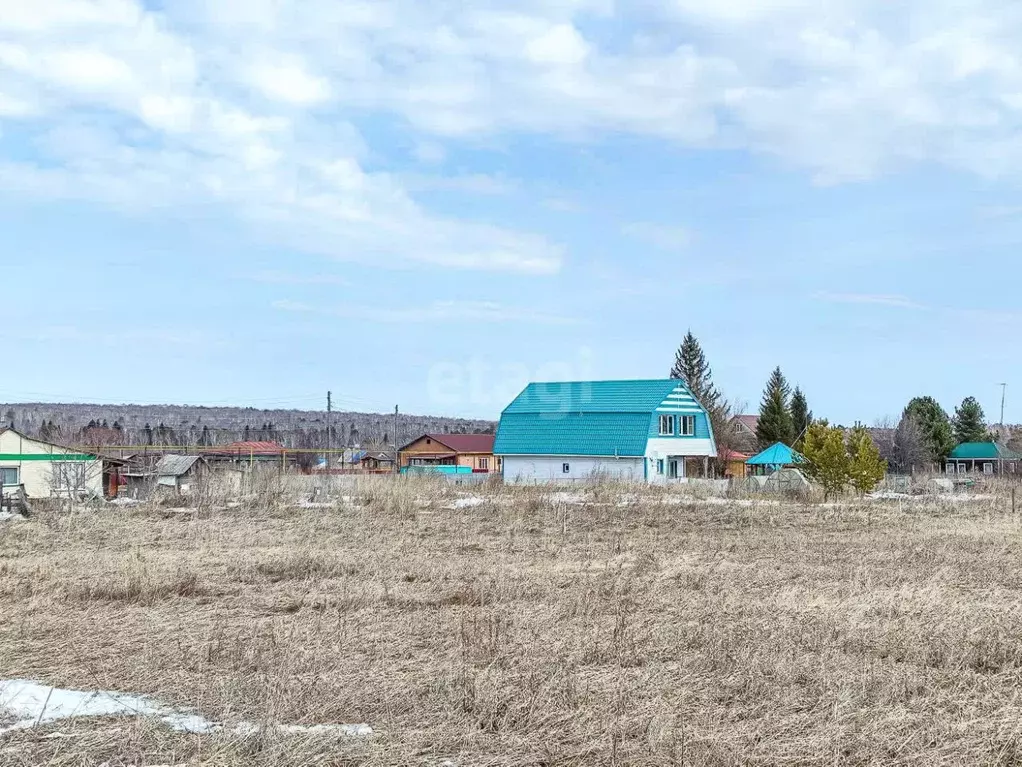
{"x": 983, "y": 457}
{"x": 653, "y": 431}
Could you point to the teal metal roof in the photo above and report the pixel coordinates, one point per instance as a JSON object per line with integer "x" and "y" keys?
{"x": 587, "y": 418}
{"x": 983, "y": 451}
{"x": 594, "y": 397}
{"x": 776, "y": 455}
{"x": 606, "y": 434}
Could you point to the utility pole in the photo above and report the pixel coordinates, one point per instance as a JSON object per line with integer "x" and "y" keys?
{"x": 396, "y": 443}
{"x": 329, "y": 436}
{"x": 1004, "y": 392}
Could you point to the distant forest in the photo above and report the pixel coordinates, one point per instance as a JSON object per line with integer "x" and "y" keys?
{"x": 192, "y": 426}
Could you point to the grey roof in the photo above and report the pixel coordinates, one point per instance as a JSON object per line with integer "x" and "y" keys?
{"x": 175, "y": 465}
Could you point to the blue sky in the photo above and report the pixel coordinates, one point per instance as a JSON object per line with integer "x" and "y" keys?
{"x": 431, "y": 203}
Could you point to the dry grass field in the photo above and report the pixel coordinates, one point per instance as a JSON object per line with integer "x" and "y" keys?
{"x": 529, "y": 628}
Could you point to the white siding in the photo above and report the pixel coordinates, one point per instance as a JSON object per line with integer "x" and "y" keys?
{"x": 550, "y": 468}
{"x": 37, "y": 475}
{"x": 693, "y": 448}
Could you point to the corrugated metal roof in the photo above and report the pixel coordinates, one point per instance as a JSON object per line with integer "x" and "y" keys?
{"x": 597, "y": 434}
{"x": 750, "y": 422}
{"x": 588, "y": 418}
{"x": 465, "y": 443}
{"x": 984, "y": 451}
{"x": 777, "y": 455}
{"x": 175, "y": 465}
{"x": 248, "y": 448}
{"x": 594, "y": 396}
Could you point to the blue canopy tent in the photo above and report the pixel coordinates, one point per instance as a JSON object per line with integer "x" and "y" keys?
{"x": 775, "y": 458}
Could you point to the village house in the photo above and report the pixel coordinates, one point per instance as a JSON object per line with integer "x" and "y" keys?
{"x": 46, "y": 470}
{"x": 449, "y": 454}
{"x": 743, "y": 430}
{"x": 653, "y": 431}
{"x": 983, "y": 458}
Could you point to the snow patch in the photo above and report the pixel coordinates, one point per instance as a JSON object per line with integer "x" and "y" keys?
{"x": 466, "y": 503}
{"x": 30, "y": 704}
{"x": 8, "y": 516}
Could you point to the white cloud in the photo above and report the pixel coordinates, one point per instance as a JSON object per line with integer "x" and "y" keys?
{"x": 471, "y": 183}
{"x": 662, "y": 236}
{"x": 272, "y": 277}
{"x": 438, "y": 312}
{"x": 252, "y": 105}
{"x": 289, "y": 82}
{"x": 896, "y": 301}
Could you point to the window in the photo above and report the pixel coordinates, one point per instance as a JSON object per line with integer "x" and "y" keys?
{"x": 9, "y": 476}
{"x": 660, "y": 466}
{"x": 950, "y": 468}
{"x": 988, "y": 468}
{"x": 484, "y": 464}
{"x": 667, "y": 426}
{"x": 688, "y": 426}
{"x": 565, "y": 468}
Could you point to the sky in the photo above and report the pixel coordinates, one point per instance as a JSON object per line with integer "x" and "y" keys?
{"x": 427, "y": 204}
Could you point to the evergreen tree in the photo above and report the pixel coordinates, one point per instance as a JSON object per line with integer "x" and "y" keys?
{"x": 775, "y": 424}
{"x": 827, "y": 459}
{"x": 934, "y": 425}
{"x": 690, "y": 366}
{"x": 866, "y": 468}
{"x": 801, "y": 415}
{"x": 970, "y": 422}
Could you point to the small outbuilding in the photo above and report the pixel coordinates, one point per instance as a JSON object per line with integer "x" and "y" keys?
{"x": 982, "y": 458}
{"x": 180, "y": 473}
{"x": 775, "y": 458}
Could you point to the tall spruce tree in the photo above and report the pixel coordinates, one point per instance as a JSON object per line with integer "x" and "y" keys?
{"x": 970, "y": 422}
{"x": 934, "y": 425}
{"x": 690, "y": 366}
{"x": 801, "y": 415}
{"x": 775, "y": 423}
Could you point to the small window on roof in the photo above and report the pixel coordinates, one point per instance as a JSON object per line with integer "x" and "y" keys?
{"x": 688, "y": 426}
{"x": 667, "y": 426}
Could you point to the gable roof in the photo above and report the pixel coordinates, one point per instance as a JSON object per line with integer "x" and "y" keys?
{"x": 588, "y": 418}
{"x": 984, "y": 451}
{"x": 465, "y": 443}
{"x": 777, "y": 455}
{"x": 750, "y": 422}
{"x": 601, "y": 397}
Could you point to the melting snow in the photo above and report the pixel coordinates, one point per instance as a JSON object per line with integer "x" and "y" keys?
{"x": 466, "y": 503}
{"x": 30, "y": 703}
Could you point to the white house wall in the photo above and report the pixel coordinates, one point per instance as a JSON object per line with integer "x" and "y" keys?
{"x": 36, "y": 473}
{"x": 685, "y": 446}
{"x": 541, "y": 468}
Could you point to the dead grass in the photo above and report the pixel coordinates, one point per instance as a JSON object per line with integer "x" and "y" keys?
{"x": 531, "y": 629}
